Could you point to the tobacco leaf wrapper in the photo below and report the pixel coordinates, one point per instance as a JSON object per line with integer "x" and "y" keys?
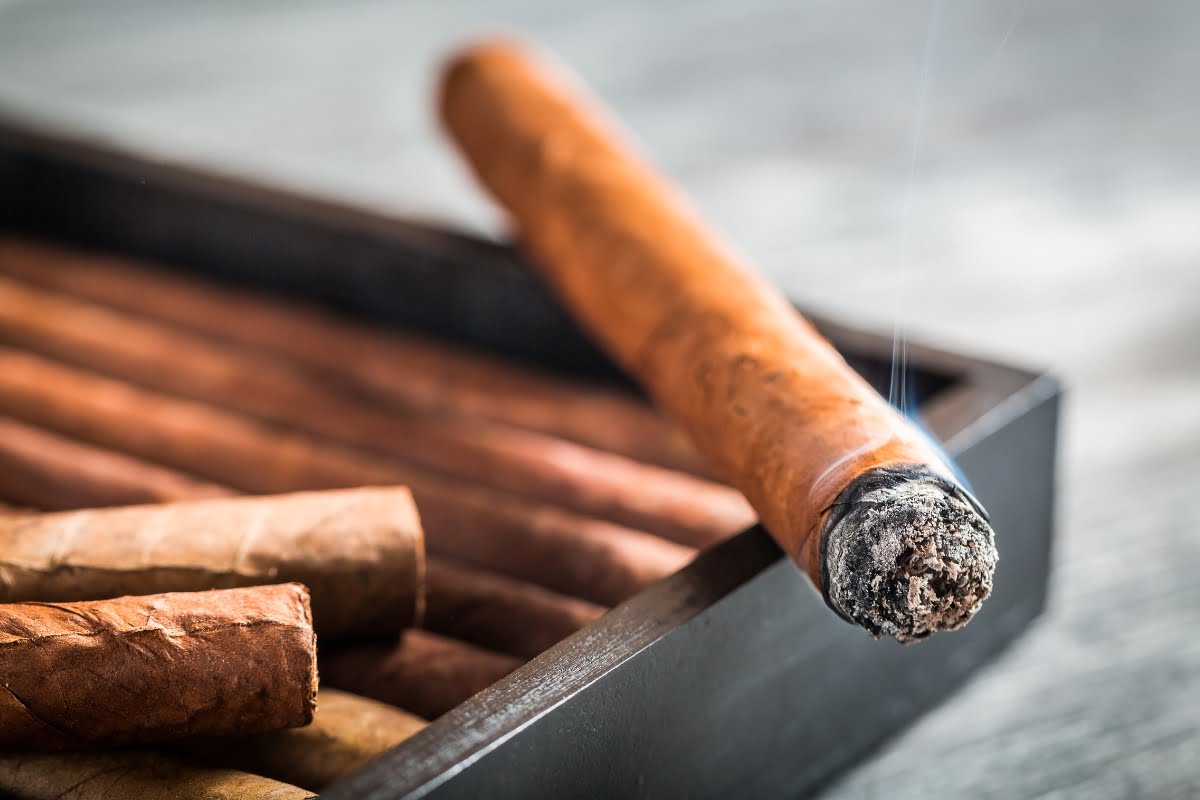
{"x": 131, "y": 775}
{"x": 767, "y": 400}
{"x": 359, "y": 551}
{"x": 156, "y": 668}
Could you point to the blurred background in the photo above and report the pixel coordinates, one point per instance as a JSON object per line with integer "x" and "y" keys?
{"x": 1018, "y": 180}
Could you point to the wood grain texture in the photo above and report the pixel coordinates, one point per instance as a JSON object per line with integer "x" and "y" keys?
{"x": 1051, "y": 222}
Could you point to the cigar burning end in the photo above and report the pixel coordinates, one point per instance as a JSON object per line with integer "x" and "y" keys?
{"x": 906, "y": 553}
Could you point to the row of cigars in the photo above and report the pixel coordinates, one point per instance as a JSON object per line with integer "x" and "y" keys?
{"x": 191, "y": 452}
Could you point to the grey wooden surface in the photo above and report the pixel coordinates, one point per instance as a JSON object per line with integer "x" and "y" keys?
{"x": 1050, "y": 216}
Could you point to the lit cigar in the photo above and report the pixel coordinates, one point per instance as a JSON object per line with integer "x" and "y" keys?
{"x": 463, "y": 602}
{"x": 845, "y": 485}
{"x": 588, "y": 558}
{"x": 681, "y": 507}
{"x": 359, "y": 552}
{"x": 450, "y": 671}
{"x": 410, "y": 372}
{"x": 131, "y": 775}
{"x": 39, "y": 464}
{"x": 156, "y": 668}
{"x": 346, "y": 733}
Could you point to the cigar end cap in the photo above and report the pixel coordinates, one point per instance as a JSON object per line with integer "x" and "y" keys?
{"x": 907, "y": 553}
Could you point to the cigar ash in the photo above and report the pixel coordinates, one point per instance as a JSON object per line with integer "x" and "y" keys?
{"x": 905, "y": 553}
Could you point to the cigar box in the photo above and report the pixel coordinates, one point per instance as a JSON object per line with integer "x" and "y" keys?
{"x": 729, "y": 678}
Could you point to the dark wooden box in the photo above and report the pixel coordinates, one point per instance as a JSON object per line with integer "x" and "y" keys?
{"x": 728, "y": 679}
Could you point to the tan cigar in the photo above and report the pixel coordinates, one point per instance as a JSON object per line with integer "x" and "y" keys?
{"x": 156, "y": 668}
{"x": 411, "y": 372}
{"x": 842, "y": 481}
{"x": 37, "y": 465}
{"x": 680, "y": 507}
{"x": 346, "y": 733}
{"x": 131, "y": 775}
{"x": 478, "y": 606}
{"x": 592, "y": 559}
{"x": 359, "y": 552}
{"x": 425, "y": 673}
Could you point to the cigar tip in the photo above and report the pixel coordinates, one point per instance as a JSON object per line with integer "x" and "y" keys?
{"x": 907, "y": 553}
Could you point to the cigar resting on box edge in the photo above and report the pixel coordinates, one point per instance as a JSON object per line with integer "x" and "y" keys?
{"x": 450, "y": 671}
{"x": 462, "y": 602}
{"x": 671, "y": 504}
{"x": 346, "y": 733}
{"x": 596, "y": 560}
{"x": 847, "y": 486}
{"x": 408, "y": 371}
{"x": 131, "y": 775}
{"x": 155, "y": 668}
{"x": 359, "y": 552}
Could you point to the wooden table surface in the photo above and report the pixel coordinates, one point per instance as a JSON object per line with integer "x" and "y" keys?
{"x": 1020, "y": 180}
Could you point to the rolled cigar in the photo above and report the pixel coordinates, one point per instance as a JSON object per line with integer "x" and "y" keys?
{"x": 50, "y": 472}
{"x": 588, "y": 558}
{"x": 359, "y": 552}
{"x": 463, "y": 602}
{"x": 130, "y": 775}
{"x": 156, "y": 668}
{"x": 346, "y": 733}
{"x": 844, "y": 483}
{"x": 410, "y": 372}
{"x": 680, "y": 507}
{"x": 449, "y": 672}
{"x": 499, "y": 613}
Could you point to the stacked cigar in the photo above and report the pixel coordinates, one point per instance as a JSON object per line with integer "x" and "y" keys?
{"x": 200, "y": 481}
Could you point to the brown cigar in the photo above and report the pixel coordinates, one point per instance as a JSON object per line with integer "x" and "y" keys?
{"x": 359, "y": 552}
{"x": 45, "y": 471}
{"x": 346, "y": 733}
{"x": 592, "y": 559}
{"x": 156, "y": 668}
{"x": 502, "y": 613}
{"x": 412, "y": 373}
{"x": 499, "y": 613}
{"x": 449, "y": 672}
{"x": 131, "y": 775}
{"x": 681, "y": 507}
{"x": 844, "y": 483}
